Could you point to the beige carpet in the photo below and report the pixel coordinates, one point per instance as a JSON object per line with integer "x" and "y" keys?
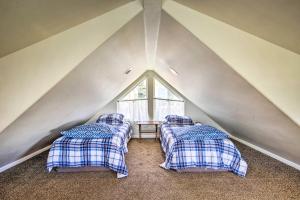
{"x": 266, "y": 179}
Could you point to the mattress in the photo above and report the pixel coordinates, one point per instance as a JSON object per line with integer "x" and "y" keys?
{"x": 213, "y": 154}
{"x": 77, "y": 153}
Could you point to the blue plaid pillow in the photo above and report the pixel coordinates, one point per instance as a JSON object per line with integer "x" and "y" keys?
{"x": 95, "y": 130}
{"x": 179, "y": 120}
{"x": 112, "y": 119}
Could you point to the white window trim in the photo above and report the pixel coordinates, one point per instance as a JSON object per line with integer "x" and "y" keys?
{"x": 162, "y": 82}
{"x": 168, "y": 99}
{"x": 131, "y": 88}
{"x": 151, "y": 97}
{"x": 121, "y": 98}
{"x": 168, "y": 87}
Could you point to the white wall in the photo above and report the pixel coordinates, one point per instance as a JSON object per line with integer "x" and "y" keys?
{"x": 271, "y": 69}
{"x": 191, "y": 109}
{"x": 87, "y": 88}
{"x": 26, "y": 75}
{"x": 212, "y": 85}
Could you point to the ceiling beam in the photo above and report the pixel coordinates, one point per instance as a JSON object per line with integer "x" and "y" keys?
{"x": 152, "y": 12}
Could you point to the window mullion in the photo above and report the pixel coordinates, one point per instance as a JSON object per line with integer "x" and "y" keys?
{"x": 150, "y": 87}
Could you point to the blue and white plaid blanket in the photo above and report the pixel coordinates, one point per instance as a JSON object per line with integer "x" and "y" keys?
{"x": 102, "y": 152}
{"x": 198, "y": 132}
{"x": 93, "y": 130}
{"x": 206, "y": 153}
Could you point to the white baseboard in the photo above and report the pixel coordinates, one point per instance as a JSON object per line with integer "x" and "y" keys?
{"x": 279, "y": 158}
{"x": 12, "y": 164}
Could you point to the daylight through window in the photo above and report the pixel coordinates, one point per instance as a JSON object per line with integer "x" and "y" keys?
{"x": 134, "y": 105}
{"x": 166, "y": 102}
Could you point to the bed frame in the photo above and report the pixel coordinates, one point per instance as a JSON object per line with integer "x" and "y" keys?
{"x": 80, "y": 169}
{"x": 199, "y": 170}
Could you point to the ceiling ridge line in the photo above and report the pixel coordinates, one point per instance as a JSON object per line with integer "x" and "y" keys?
{"x": 152, "y": 15}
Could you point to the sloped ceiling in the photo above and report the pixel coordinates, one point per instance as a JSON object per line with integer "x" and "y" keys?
{"x": 276, "y": 21}
{"x": 87, "y": 88}
{"x": 152, "y": 10}
{"x": 23, "y": 23}
{"x": 51, "y": 91}
{"x": 210, "y": 83}
{"x": 271, "y": 69}
{"x": 30, "y": 72}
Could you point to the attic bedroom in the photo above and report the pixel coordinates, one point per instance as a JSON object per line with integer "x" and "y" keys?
{"x": 149, "y": 99}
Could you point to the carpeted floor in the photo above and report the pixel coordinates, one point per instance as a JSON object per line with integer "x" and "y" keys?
{"x": 266, "y": 179}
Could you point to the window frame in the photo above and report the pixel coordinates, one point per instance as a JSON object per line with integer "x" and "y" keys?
{"x": 120, "y": 99}
{"x": 180, "y": 98}
{"x": 151, "y": 98}
{"x": 168, "y": 88}
{"x": 132, "y": 88}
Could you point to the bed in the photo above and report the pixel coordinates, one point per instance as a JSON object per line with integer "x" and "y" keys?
{"x": 72, "y": 154}
{"x": 204, "y": 154}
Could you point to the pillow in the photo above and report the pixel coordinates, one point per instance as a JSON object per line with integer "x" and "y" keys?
{"x": 95, "y": 130}
{"x": 112, "y": 119}
{"x": 179, "y": 120}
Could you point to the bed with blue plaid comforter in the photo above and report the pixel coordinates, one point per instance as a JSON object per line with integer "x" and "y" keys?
{"x": 203, "y": 153}
{"x": 95, "y": 152}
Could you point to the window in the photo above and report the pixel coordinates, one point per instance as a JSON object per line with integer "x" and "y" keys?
{"x": 166, "y": 102}
{"x": 134, "y": 105}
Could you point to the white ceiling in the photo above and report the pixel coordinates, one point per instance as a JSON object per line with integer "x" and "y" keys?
{"x": 271, "y": 69}
{"x": 88, "y": 87}
{"x": 211, "y": 84}
{"x": 30, "y": 72}
{"x": 203, "y": 77}
{"x": 276, "y": 21}
{"x": 23, "y": 23}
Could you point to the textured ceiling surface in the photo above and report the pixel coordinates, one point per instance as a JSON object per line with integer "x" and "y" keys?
{"x": 274, "y": 20}
{"x": 23, "y": 23}
{"x": 90, "y": 86}
{"x": 224, "y": 95}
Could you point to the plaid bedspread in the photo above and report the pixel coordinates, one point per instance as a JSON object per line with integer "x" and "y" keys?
{"x": 103, "y": 152}
{"x": 212, "y": 154}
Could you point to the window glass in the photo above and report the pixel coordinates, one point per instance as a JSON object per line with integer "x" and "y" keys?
{"x": 166, "y": 102}
{"x": 139, "y": 92}
{"x": 162, "y": 108}
{"x": 134, "y": 105}
{"x": 135, "y": 110}
{"x": 163, "y": 92}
